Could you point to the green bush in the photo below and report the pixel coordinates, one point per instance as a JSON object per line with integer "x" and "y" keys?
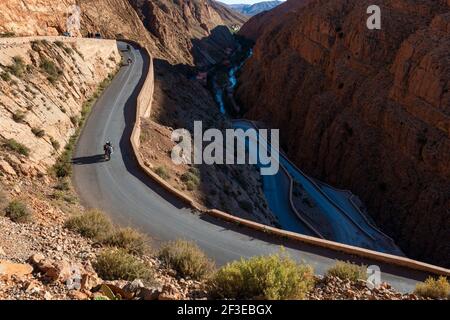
{"x": 274, "y": 277}
{"x": 68, "y": 50}
{"x": 38, "y": 132}
{"x": 13, "y": 145}
{"x": 186, "y": 259}
{"x": 434, "y": 288}
{"x": 55, "y": 143}
{"x": 128, "y": 239}
{"x": 162, "y": 172}
{"x": 50, "y": 68}
{"x": 93, "y": 224}
{"x": 348, "y": 271}
{"x": 18, "y": 116}
{"x": 8, "y": 34}
{"x": 5, "y": 76}
{"x": 62, "y": 185}
{"x": 191, "y": 179}
{"x": 75, "y": 120}
{"x": 117, "y": 264}
{"x": 62, "y": 169}
{"x": 17, "y": 211}
{"x": 63, "y": 166}
{"x": 18, "y": 67}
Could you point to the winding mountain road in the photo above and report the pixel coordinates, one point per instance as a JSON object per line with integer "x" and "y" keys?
{"x": 131, "y": 198}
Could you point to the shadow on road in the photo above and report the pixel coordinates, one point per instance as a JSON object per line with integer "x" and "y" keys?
{"x": 89, "y": 159}
{"x": 316, "y": 250}
{"x": 126, "y": 149}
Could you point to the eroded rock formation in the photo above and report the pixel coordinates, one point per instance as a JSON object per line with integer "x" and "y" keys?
{"x": 43, "y": 85}
{"x": 178, "y": 31}
{"x": 364, "y": 110}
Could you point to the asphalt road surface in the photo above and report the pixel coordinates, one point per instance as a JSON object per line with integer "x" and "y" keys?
{"x": 122, "y": 190}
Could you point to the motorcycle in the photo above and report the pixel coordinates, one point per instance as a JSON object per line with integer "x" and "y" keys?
{"x": 108, "y": 152}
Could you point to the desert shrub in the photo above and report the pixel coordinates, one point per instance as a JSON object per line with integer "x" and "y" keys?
{"x": 68, "y": 50}
{"x": 187, "y": 259}
{"x": 8, "y": 34}
{"x": 434, "y": 288}
{"x": 38, "y": 132}
{"x": 18, "y": 67}
{"x": 347, "y": 271}
{"x": 18, "y": 116}
{"x": 93, "y": 224}
{"x": 55, "y": 143}
{"x": 191, "y": 178}
{"x": 35, "y": 45}
{"x": 162, "y": 172}
{"x": 62, "y": 185}
{"x": 75, "y": 120}
{"x": 50, "y": 68}
{"x": 13, "y": 145}
{"x": 59, "y": 43}
{"x": 17, "y": 211}
{"x": 62, "y": 169}
{"x": 274, "y": 277}
{"x": 117, "y": 264}
{"x": 128, "y": 239}
{"x": 5, "y": 76}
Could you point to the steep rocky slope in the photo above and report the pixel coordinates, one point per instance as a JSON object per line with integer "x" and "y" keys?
{"x": 43, "y": 86}
{"x": 256, "y": 8}
{"x": 110, "y": 18}
{"x": 268, "y": 20}
{"x": 180, "y": 32}
{"x": 363, "y": 110}
{"x": 177, "y": 103}
{"x": 201, "y": 34}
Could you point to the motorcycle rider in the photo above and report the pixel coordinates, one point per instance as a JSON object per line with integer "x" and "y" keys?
{"x": 108, "y": 149}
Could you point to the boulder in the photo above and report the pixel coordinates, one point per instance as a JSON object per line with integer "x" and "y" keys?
{"x": 90, "y": 280}
{"x": 77, "y": 295}
{"x": 6, "y": 168}
{"x": 133, "y": 288}
{"x": 149, "y": 294}
{"x": 169, "y": 292}
{"x": 8, "y": 269}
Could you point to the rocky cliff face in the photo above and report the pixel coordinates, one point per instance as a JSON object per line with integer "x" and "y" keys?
{"x": 201, "y": 34}
{"x": 182, "y": 31}
{"x": 43, "y": 85}
{"x": 254, "y": 9}
{"x": 364, "y": 110}
{"x": 35, "y": 17}
{"x": 268, "y": 20}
